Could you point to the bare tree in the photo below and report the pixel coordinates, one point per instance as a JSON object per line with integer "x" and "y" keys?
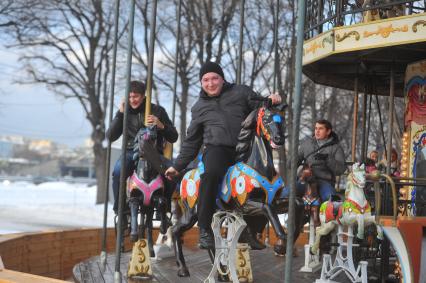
{"x": 67, "y": 45}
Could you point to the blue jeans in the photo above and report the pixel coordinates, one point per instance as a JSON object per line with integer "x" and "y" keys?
{"x": 130, "y": 167}
{"x": 325, "y": 190}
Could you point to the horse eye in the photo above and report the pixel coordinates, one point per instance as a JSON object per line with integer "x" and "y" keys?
{"x": 277, "y": 118}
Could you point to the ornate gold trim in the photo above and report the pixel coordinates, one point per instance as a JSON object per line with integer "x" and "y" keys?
{"x": 346, "y": 35}
{"x": 312, "y": 48}
{"x": 385, "y": 31}
{"x": 420, "y": 22}
{"x": 327, "y": 39}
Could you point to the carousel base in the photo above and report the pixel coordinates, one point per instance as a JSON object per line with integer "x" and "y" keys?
{"x": 266, "y": 268}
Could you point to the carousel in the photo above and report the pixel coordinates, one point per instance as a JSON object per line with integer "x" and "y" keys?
{"x": 376, "y": 232}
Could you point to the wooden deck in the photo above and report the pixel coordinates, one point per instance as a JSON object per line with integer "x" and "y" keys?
{"x": 266, "y": 268}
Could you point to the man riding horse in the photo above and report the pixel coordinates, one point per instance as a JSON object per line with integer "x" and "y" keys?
{"x": 135, "y": 121}
{"x": 216, "y": 123}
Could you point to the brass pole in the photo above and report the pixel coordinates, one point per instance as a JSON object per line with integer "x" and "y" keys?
{"x": 148, "y": 93}
{"x": 355, "y": 120}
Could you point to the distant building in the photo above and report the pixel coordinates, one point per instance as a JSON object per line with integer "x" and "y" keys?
{"x": 6, "y": 149}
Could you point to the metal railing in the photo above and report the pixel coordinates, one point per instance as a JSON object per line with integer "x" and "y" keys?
{"x": 323, "y": 15}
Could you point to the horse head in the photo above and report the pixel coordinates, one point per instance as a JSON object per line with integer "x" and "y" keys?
{"x": 269, "y": 126}
{"x": 144, "y": 170}
{"x": 357, "y": 176}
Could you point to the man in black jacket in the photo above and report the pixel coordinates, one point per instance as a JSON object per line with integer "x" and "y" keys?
{"x": 136, "y": 117}
{"x": 216, "y": 123}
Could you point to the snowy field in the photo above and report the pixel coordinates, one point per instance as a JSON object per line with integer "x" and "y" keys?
{"x": 25, "y": 207}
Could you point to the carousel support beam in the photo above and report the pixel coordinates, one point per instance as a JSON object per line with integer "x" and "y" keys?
{"x": 390, "y": 118}
{"x": 121, "y": 193}
{"x": 355, "y": 120}
{"x": 148, "y": 93}
{"x": 176, "y": 61}
{"x": 295, "y": 137}
{"x": 108, "y": 154}
{"x": 240, "y": 44}
{"x": 364, "y": 122}
{"x": 276, "y": 54}
{"x": 370, "y": 96}
{"x": 381, "y": 123}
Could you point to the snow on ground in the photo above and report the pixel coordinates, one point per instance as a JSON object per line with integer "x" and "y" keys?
{"x": 26, "y": 207}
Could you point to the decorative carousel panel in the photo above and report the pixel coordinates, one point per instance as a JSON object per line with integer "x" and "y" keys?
{"x": 393, "y": 31}
{"x": 318, "y": 47}
{"x": 413, "y": 163}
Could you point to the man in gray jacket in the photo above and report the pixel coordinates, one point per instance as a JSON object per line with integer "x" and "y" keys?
{"x": 323, "y": 153}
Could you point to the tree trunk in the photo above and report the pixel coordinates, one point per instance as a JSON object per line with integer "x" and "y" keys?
{"x": 99, "y": 162}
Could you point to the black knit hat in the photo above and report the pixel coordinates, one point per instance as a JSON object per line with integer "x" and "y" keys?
{"x": 137, "y": 87}
{"x": 211, "y": 67}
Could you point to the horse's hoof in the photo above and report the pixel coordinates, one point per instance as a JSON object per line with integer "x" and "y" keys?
{"x": 183, "y": 272}
{"x": 133, "y": 238}
{"x": 163, "y": 227}
{"x": 222, "y": 278}
{"x": 279, "y": 250}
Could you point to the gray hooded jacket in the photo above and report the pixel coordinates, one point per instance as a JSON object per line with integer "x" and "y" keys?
{"x": 327, "y": 160}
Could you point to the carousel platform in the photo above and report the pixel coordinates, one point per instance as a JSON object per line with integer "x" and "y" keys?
{"x": 266, "y": 268}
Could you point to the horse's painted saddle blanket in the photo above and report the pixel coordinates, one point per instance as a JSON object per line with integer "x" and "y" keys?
{"x": 147, "y": 189}
{"x": 335, "y": 210}
{"x": 238, "y": 182}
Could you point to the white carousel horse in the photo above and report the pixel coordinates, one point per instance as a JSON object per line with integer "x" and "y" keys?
{"x": 355, "y": 210}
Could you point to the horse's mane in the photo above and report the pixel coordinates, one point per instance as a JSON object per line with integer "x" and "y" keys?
{"x": 248, "y": 127}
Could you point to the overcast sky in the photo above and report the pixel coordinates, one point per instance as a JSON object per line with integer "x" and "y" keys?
{"x": 32, "y": 111}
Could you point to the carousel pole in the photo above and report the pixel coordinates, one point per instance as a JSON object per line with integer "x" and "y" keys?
{"x": 103, "y": 255}
{"x": 295, "y": 137}
{"x": 117, "y": 273}
{"x": 275, "y": 89}
{"x": 240, "y": 44}
{"x": 355, "y": 119}
{"x": 148, "y": 93}
{"x": 390, "y": 119}
{"x": 364, "y": 122}
{"x": 385, "y": 256}
{"x": 381, "y": 123}
{"x": 276, "y": 55}
{"x": 368, "y": 121}
{"x": 176, "y": 61}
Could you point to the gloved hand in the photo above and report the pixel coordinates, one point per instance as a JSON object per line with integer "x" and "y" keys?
{"x": 321, "y": 156}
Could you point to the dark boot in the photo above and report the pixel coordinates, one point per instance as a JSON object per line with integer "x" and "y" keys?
{"x": 247, "y": 237}
{"x": 206, "y": 240}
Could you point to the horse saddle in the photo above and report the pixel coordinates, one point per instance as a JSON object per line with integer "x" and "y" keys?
{"x": 331, "y": 209}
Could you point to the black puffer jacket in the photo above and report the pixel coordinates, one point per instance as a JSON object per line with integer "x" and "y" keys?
{"x": 216, "y": 120}
{"x": 135, "y": 119}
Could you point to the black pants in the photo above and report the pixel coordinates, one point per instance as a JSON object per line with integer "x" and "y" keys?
{"x": 217, "y": 160}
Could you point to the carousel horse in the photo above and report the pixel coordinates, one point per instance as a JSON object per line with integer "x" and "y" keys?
{"x": 311, "y": 198}
{"x": 354, "y": 210}
{"x": 250, "y": 187}
{"x": 145, "y": 192}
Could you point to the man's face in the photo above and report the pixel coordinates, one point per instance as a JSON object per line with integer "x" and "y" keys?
{"x": 135, "y": 99}
{"x": 321, "y": 132}
{"x": 212, "y": 83}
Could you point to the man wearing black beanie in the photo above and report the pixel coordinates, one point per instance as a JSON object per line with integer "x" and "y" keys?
{"x": 216, "y": 123}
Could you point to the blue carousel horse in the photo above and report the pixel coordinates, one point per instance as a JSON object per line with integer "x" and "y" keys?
{"x": 145, "y": 192}
{"x": 251, "y": 187}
